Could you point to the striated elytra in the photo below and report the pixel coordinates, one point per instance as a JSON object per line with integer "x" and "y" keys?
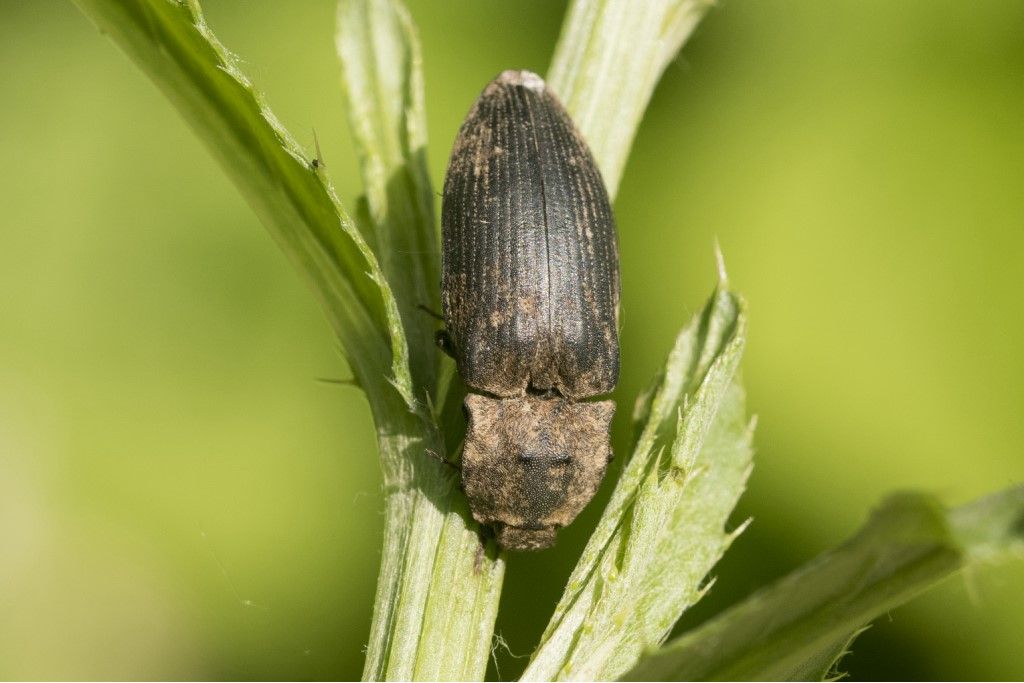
{"x": 530, "y": 291}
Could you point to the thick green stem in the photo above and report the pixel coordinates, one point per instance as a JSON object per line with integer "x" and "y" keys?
{"x": 438, "y": 588}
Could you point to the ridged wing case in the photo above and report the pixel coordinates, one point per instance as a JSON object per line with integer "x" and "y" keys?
{"x": 530, "y": 283}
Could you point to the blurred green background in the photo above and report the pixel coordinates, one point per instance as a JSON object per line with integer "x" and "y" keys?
{"x": 179, "y": 498}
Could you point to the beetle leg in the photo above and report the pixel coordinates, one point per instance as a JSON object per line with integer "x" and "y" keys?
{"x": 443, "y": 461}
{"x": 484, "y": 534}
{"x": 478, "y": 561}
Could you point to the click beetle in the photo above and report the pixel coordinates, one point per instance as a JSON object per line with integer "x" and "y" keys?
{"x": 530, "y": 296}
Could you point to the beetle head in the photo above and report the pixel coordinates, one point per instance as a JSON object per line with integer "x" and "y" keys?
{"x": 531, "y": 464}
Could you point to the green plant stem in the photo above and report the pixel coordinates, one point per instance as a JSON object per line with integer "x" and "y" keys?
{"x": 438, "y": 589}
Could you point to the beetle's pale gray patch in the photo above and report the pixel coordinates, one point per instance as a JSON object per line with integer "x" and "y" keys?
{"x": 523, "y": 78}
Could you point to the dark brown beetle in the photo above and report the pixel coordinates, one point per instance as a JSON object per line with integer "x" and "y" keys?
{"x": 530, "y": 290}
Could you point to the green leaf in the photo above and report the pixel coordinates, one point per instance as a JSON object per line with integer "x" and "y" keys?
{"x": 909, "y": 544}
{"x": 664, "y": 527}
{"x": 823, "y": 665}
{"x": 609, "y": 57}
{"x": 171, "y": 42}
{"x": 382, "y": 77}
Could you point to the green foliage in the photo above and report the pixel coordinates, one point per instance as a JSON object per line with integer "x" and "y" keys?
{"x": 800, "y": 625}
{"x": 663, "y": 529}
{"x": 665, "y": 526}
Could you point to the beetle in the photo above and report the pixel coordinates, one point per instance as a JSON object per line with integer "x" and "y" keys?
{"x": 530, "y": 297}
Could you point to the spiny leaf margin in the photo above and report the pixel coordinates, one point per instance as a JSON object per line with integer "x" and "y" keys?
{"x": 172, "y": 43}
{"x": 664, "y": 527}
{"x": 910, "y": 543}
{"x": 382, "y": 78}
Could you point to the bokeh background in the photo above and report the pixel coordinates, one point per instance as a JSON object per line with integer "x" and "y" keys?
{"x": 179, "y": 496}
